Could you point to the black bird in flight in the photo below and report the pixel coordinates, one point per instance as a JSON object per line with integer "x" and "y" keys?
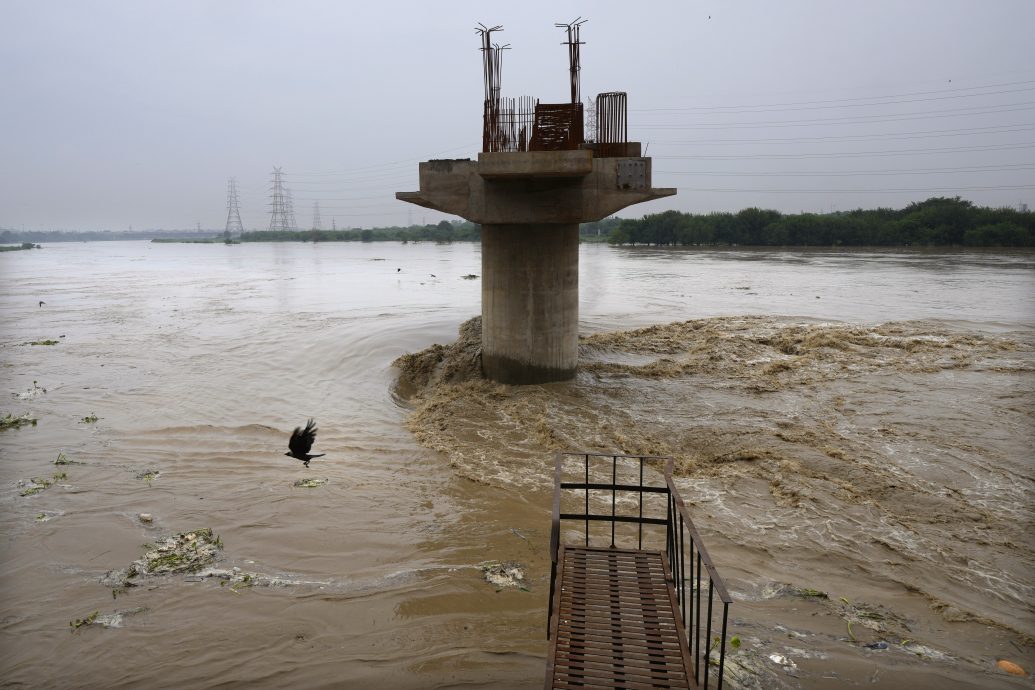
{"x": 301, "y": 442}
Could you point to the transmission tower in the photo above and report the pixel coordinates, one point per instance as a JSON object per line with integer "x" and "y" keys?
{"x": 233, "y": 212}
{"x": 282, "y": 210}
{"x": 316, "y": 216}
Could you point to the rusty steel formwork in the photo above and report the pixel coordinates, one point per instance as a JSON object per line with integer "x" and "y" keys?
{"x": 612, "y": 124}
{"x": 558, "y": 127}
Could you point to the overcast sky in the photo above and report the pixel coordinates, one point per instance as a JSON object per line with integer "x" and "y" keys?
{"x": 136, "y": 113}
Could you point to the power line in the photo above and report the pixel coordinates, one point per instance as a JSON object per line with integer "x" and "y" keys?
{"x": 923, "y": 134}
{"x": 854, "y": 154}
{"x": 819, "y": 105}
{"x": 894, "y": 190}
{"x": 844, "y": 173}
{"x": 846, "y": 100}
{"x": 851, "y": 119}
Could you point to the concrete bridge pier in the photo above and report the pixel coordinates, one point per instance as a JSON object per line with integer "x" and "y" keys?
{"x": 530, "y": 302}
{"x": 530, "y": 204}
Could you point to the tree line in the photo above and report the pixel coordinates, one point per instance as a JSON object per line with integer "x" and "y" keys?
{"x": 938, "y": 221}
{"x": 443, "y": 231}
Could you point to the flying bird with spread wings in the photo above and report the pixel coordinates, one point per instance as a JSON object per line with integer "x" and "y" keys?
{"x": 301, "y": 443}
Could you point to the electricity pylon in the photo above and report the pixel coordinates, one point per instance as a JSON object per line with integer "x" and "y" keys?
{"x": 233, "y": 211}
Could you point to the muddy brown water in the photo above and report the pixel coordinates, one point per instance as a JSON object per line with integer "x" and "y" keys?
{"x": 853, "y": 423}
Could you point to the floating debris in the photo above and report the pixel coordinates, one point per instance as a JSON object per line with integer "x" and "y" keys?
{"x": 877, "y": 645}
{"x": 310, "y": 482}
{"x": 469, "y": 276}
{"x": 149, "y": 475}
{"x": 63, "y": 459}
{"x": 146, "y": 518}
{"x": 785, "y": 590}
{"x": 80, "y": 622}
{"x": 38, "y": 484}
{"x": 504, "y": 574}
{"x": 183, "y": 553}
{"x": 246, "y": 580}
{"x": 34, "y": 392}
{"x": 238, "y": 580}
{"x": 186, "y": 552}
{"x": 781, "y": 660}
{"x": 1011, "y": 667}
{"x": 108, "y": 620}
{"x": 9, "y": 421}
{"x": 42, "y": 342}
{"x": 89, "y": 419}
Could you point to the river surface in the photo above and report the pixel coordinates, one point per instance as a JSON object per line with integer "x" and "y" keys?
{"x": 853, "y": 423}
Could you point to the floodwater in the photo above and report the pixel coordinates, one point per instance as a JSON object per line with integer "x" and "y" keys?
{"x": 852, "y": 423}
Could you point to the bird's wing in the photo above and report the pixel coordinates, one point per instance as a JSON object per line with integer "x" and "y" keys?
{"x": 302, "y": 439}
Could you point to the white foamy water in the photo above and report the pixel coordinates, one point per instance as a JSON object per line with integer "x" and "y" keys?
{"x": 198, "y": 360}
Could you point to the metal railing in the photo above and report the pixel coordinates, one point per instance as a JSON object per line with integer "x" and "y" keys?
{"x": 696, "y": 582}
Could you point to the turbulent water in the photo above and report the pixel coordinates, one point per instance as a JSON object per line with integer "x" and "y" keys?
{"x": 857, "y": 424}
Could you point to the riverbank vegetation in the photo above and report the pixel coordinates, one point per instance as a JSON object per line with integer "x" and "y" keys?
{"x": 444, "y": 231}
{"x": 938, "y": 221}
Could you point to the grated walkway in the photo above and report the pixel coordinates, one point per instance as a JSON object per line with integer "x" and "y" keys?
{"x": 616, "y": 623}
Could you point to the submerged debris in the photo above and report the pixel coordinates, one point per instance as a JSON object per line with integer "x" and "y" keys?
{"x": 9, "y": 421}
{"x": 504, "y": 574}
{"x": 310, "y": 482}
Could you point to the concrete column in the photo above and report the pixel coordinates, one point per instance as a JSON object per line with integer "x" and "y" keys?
{"x": 530, "y": 302}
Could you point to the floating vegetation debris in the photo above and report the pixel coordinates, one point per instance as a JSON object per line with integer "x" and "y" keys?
{"x": 63, "y": 459}
{"x": 246, "y": 580}
{"x": 49, "y": 341}
{"x": 89, "y": 419}
{"x": 9, "y": 421}
{"x": 504, "y": 574}
{"x": 310, "y": 482}
{"x": 108, "y": 620}
{"x": 786, "y": 590}
{"x": 469, "y": 276}
{"x": 80, "y": 622}
{"x": 149, "y": 475}
{"x": 186, "y": 552}
{"x": 38, "y": 484}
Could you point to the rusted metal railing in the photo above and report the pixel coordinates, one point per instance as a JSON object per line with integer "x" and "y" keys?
{"x": 701, "y": 594}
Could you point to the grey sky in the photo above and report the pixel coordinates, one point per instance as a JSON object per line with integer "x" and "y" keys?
{"x": 136, "y": 113}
